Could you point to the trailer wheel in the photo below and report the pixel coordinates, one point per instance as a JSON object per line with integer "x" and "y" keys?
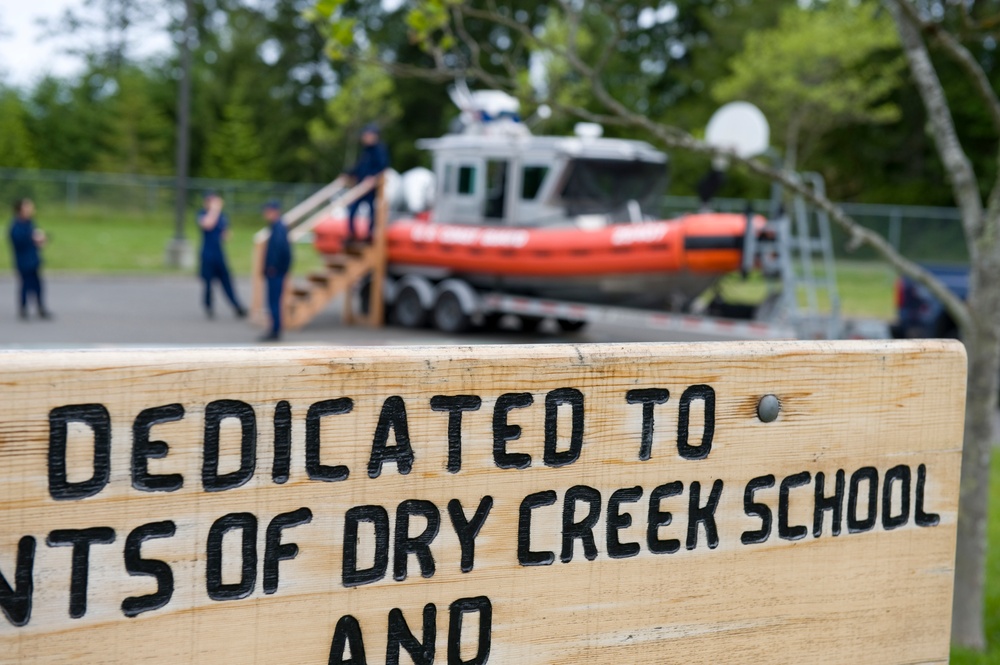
{"x": 408, "y": 311}
{"x": 570, "y": 325}
{"x": 529, "y": 324}
{"x": 491, "y": 321}
{"x": 448, "y": 314}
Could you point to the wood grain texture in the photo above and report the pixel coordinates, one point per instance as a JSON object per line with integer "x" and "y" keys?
{"x": 881, "y": 595}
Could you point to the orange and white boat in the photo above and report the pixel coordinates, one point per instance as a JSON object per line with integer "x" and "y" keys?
{"x": 556, "y": 217}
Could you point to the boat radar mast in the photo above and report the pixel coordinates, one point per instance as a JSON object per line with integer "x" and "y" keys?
{"x": 487, "y": 112}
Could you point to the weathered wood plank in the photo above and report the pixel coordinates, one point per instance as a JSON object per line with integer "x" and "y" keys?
{"x": 875, "y": 593}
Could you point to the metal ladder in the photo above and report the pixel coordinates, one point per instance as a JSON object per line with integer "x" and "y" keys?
{"x": 795, "y": 255}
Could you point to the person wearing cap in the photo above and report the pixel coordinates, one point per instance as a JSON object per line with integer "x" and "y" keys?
{"x": 277, "y": 262}
{"x": 374, "y": 159}
{"x": 25, "y": 240}
{"x": 214, "y": 227}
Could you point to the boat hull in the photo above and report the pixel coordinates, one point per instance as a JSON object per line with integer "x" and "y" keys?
{"x": 663, "y": 261}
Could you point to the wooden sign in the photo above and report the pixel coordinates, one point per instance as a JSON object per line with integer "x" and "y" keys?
{"x": 653, "y": 503}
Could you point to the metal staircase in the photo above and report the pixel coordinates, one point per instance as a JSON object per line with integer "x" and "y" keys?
{"x": 341, "y": 273}
{"x": 795, "y": 255}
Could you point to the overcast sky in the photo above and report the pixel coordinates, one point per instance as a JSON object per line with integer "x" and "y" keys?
{"x": 26, "y": 54}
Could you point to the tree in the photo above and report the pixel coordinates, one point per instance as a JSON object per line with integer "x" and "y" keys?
{"x": 368, "y": 95}
{"x": 818, "y": 69}
{"x": 107, "y": 28}
{"x": 66, "y": 122}
{"x": 233, "y": 149}
{"x": 979, "y": 318}
{"x": 16, "y": 149}
{"x": 437, "y": 25}
{"x": 138, "y": 135}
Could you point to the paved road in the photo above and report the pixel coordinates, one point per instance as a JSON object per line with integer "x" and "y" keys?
{"x": 166, "y": 310}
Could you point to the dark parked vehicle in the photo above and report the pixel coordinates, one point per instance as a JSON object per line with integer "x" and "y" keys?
{"x": 919, "y": 314}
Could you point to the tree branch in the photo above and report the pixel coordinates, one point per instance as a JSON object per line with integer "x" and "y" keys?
{"x": 957, "y": 164}
{"x": 955, "y": 50}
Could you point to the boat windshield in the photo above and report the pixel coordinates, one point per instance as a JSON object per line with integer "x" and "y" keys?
{"x": 596, "y": 186}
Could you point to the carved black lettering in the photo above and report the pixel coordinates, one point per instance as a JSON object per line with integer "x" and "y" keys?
{"x": 143, "y": 449}
{"x": 900, "y": 474}
{"x": 455, "y": 405}
{"x": 458, "y": 609}
{"x": 80, "y": 540}
{"x": 649, "y": 398}
{"x": 921, "y": 517}
{"x": 379, "y": 518}
{"x": 553, "y": 399}
{"x": 393, "y": 417}
{"x": 703, "y": 514}
{"x": 525, "y": 556}
{"x": 97, "y": 418}
{"x": 400, "y": 635}
{"x": 658, "y": 518}
{"x": 504, "y": 432}
{"x": 315, "y": 469}
{"x": 347, "y": 635}
{"x": 854, "y": 523}
{"x": 282, "y": 442}
{"x": 246, "y": 523}
{"x": 16, "y": 602}
{"x": 756, "y": 509}
{"x": 468, "y": 529}
{"x": 275, "y": 550}
{"x": 707, "y": 395}
{"x": 582, "y": 530}
{"x": 133, "y": 606}
{"x": 420, "y": 545}
{"x": 785, "y": 530}
{"x": 617, "y": 521}
{"x": 215, "y": 413}
{"x": 823, "y": 503}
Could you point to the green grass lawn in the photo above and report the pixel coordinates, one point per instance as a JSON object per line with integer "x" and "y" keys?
{"x": 91, "y": 240}
{"x": 992, "y": 616}
{"x": 866, "y": 289}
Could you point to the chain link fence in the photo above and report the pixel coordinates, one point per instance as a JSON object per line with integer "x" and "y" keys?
{"x": 74, "y": 192}
{"x": 922, "y": 233}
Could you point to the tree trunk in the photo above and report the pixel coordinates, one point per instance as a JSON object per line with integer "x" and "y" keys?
{"x": 982, "y": 343}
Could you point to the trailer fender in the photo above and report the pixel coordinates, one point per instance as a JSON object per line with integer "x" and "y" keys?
{"x": 467, "y": 296}
{"x": 422, "y": 286}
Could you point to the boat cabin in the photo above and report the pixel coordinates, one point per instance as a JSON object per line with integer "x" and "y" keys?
{"x": 500, "y": 174}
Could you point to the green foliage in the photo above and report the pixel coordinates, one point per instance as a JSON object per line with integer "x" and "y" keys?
{"x": 16, "y": 149}
{"x": 817, "y": 69}
{"x": 367, "y": 95}
{"x": 234, "y": 149}
{"x": 66, "y": 123}
{"x": 139, "y": 136}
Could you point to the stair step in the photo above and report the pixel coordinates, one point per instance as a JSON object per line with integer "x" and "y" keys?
{"x": 355, "y": 250}
{"x": 319, "y": 278}
{"x": 336, "y": 261}
{"x": 301, "y": 291}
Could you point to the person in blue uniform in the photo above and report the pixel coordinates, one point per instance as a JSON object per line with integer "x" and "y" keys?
{"x": 373, "y": 160}
{"x": 26, "y": 240}
{"x": 214, "y": 227}
{"x": 277, "y": 262}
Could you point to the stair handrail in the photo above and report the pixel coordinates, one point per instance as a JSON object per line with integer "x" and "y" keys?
{"x": 293, "y": 219}
{"x": 347, "y": 198}
{"x": 302, "y": 209}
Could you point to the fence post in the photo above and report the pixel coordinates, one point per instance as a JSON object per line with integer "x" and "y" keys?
{"x": 895, "y": 219}
{"x": 72, "y": 190}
